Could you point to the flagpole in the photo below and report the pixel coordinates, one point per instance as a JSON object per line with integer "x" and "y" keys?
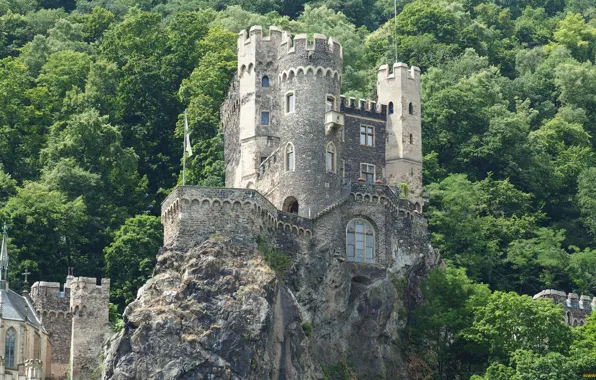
{"x": 184, "y": 144}
{"x": 395, "y": 10}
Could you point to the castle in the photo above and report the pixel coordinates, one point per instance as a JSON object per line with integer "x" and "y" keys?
{"x": 305, "y": 165}
{"x": 577, "y": 308}
{"x": 51, "y": 333}
{"x": 333, "y": 184}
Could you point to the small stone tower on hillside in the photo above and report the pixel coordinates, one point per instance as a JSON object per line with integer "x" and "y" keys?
{"x": 90, "y": 324}
{"x": 77, "y": 319}
{"x": 291, "y": 135}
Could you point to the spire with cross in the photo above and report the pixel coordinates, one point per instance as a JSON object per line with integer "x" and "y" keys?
{"x": 26, "y": 273}
{"x": 4, "y": 254}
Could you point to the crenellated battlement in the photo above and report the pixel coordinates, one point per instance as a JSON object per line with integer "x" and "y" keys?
{"x": 301, "y": 44}
{"x": 401, "y": 70}
{"x": 363, "y": 107}
{"x": 254, "y": 43}
{"x": 191, "y": 202}
{"x": 255, "y": 34}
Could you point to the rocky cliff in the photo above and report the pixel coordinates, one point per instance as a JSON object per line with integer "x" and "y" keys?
{"x": 217, "y": 311}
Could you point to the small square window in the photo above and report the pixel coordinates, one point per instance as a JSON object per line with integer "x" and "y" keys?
{"x": 265, "y": 118}
{"x": 367, "y": 171}
{"x": 367, "y": 135}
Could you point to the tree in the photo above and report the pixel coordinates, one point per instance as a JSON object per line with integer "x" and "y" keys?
{"x": 450, "y": 299}
{"x": 509, "y": 322}
{"x": 587, "y": 198}
{"x": 47, "y": 229}
{"x": 131, "y": 256}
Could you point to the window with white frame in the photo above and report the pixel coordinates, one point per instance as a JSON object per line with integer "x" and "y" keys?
{"x": 330, "y": 158}
{"x": 290, "y": 158}
{"x": 367, "y": 171}
{"x": 367, "y": 135}
{"x": 290, "y": 102}
{"x": 360, "y": 241}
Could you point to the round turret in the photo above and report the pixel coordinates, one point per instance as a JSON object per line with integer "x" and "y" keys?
{"x": 309, "y": 91}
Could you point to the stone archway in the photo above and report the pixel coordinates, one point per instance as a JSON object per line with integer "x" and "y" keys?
{"x": 290, "y": 205}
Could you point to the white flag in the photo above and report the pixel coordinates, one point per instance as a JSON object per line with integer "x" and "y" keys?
{"x": 187, "y": 146}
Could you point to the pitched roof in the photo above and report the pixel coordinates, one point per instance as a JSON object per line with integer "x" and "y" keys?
{"x": 18, "y": 308}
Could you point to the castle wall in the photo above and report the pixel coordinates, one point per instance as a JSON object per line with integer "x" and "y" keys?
{"x": 243, "y": 214}
{"x": 577, "y": 308}
{"x": 90, "y": 325}
{"x": 53, "y": 307}
{"x": 399, "y": 231}
{"x": 230, "y": 121}
{"x": 357, "y": 114}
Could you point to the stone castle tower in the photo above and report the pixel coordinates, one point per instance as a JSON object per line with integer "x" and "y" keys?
{"x": 77, "y": 319}
{"x": 294, "y": 138}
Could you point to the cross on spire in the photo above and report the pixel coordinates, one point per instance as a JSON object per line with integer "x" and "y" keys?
{"x": 26, "y": 273}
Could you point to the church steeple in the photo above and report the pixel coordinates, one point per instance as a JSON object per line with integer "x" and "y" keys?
{"x": 4, "y": 258}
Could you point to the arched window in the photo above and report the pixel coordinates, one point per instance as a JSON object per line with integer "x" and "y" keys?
{"x": 360, "y": 241}
{"x": 9, "y": 345}
{"x": 330, "y": 158}
{"x": 290, "y": 158}
{"x": 410, "y": 109}
{"x": 265, "y": 82}
{"x": 390, "y": 108}
{"x": 568, "y": 318}
{"x": 290, "y": 205}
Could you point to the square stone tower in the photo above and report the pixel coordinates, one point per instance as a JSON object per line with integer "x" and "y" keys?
{"x": 400, "y": 90}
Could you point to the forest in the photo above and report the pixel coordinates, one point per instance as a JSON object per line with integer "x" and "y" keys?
{"x": 92, "y": 95}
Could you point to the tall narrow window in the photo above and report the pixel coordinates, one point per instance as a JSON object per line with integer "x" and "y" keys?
{"x": 265, "y": 82}
{"x": 367, "y": 135}
{"x": 265, "y": 118}
{"x": 367, "y": 171}
{"x": 411, "y": 139}
{"x": 330, "y": 103}
{"x": 410, "y": 109}
{"x": 360, "y": 241}
{"x": 290, "y": 158}
{"x": 290, "y": 102}
{"x": 9, "y": 345}
{"x": 331, "y": 157}
{"x": 390, "y": 108}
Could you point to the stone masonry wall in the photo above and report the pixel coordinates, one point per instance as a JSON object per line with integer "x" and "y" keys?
{"x": 53, "y": 306}
{"x": 89, "y": 305}
{"x": 576, "y": 308}
{"x": 357, "y": 114}
{"x": 230, "y": 121}
{"x": 191, "y": 214}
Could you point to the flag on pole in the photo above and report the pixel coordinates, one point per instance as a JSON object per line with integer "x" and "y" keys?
{"x": 187, "y": 146}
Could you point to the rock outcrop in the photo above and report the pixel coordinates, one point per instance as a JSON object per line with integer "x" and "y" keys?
{"x": 217, "y": 311}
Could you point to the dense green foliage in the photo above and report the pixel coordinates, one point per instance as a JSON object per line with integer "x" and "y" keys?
{"x": 91, "y": 102}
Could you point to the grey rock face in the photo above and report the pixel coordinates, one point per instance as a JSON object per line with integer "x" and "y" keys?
{"x": 214, "y": 312}
{"x": 219, "y": 312}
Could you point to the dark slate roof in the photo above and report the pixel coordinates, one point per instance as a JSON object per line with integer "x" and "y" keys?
{"x": 18, "y": 308}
